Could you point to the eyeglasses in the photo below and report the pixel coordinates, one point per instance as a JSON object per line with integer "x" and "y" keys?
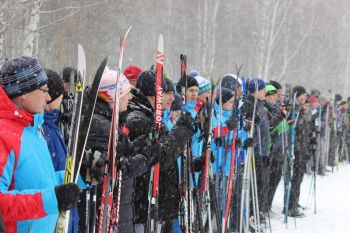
{"x": 46, "y": 91}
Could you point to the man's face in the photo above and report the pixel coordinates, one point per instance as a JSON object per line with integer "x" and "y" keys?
{"x": 262, "y": 94}
{"x": 192, "y": 93}
{"x": 279, "y": 94}
{"x": 272, "y": 98}
{"x": 168, "y": 99}
{"x": 34, "y": 101}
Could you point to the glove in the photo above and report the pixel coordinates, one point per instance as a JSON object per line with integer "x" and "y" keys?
{"x": 218, "y": 141}
{"x": 67, "y": 196}
{"x": 98, "y": 171}
{"x": 198, "y": 163}
{"x": 187, "y": 121}
{"x": 153, "y": 153}
{"x": 231, "y": 123}
{"x": 249, "y": 142}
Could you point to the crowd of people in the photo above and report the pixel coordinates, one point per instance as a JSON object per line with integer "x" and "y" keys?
{"x": 289, "y": 131}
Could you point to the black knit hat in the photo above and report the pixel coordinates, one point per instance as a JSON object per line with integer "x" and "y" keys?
{"x": 338, "y": 97}
{"x": 230, "y": 81}
{"x": 22, "y": 75}
{"x": 226, "y": 95}
{"x": 146, "y": 83}
{"x": 299, "y": 90}
{"x": 67, "y": 72}
{"x": 55, "y": 84}
{"x": 191, "y": 82}
{"x": 177, "y": 103}
{"x": 276, "y": 84}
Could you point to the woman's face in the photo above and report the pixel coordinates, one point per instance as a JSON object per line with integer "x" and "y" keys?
{"x": 229, "y": 105}
{"x": 124, "y": 101}
{"x": 192, "y": 93}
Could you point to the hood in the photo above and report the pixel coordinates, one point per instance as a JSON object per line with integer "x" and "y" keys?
{"x": 8, "y": 110}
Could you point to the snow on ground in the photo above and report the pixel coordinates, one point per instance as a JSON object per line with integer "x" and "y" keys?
{"x": 333, "y": 205}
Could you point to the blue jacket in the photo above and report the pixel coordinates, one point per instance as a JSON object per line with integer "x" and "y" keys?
{"x": 27, "y": 176}
{"x": 54, "y": 138}
{"x": 222, "y": 153}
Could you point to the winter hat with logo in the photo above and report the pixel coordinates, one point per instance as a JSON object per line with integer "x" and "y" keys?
{"x": 226, "y": 95}
{"x": 191, "y": 82}
{"x": 299, "y": 90}
{"x": 132, "y": 72}
{"x": 231, "y": 81}
{"x": 270, "y": 90}
{"x": 22, "y": 75}
{"x": 55, "y": 84}
{"x": 177, "y": 103}
{"x": 251, "y": 86}
{"x": 203, "y": 84}
{"x": 107, "y": 88}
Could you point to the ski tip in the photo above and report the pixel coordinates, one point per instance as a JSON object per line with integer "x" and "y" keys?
{"x": 127, "y": 31}
{"x": 161, "y": 43}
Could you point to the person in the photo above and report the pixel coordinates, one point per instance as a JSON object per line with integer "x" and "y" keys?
{"x": 299, "y": 164}
{"x": 28, "y": 203}
{"x": 132, "y": 73}
{"x": 53, "y": 133}
{"x": 256, "y": 88}
{"x": 279, "y": 135}
{"x": 139, "y": 123}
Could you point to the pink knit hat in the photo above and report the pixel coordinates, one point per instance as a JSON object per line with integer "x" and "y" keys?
{"x": 107, "y": 87}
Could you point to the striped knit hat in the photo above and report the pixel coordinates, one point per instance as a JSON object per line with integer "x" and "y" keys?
{"x": 22, "y": 75}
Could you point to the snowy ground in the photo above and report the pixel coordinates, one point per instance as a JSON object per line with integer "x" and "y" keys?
{"x": 333, "y": 205}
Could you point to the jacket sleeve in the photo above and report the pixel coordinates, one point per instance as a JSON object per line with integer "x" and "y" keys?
{"x": 26, "y": 204}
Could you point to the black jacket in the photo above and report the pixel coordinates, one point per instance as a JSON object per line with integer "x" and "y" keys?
{"x": 140, "y": 121}
{"x": 134, "y": 163}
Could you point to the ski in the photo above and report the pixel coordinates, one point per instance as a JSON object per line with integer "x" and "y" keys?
{"x": 62, "y": 223}
{"x": 106, "y": 222}
{"x": 153, "y": 212}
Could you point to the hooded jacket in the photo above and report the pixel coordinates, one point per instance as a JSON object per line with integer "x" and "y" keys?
{"x": 28, "y": 201}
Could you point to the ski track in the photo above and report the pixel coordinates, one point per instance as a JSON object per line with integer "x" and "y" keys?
{"x": 333, "y": 205}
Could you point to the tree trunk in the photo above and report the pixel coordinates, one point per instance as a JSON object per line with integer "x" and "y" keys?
{"x": 30, "y": 32}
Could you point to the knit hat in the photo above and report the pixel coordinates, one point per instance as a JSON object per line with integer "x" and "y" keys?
{"x": 343, "y": 102}
{"x": 132, "y": 72}
{"x": 231, "y": 81}
{"x": 191, "y": 82}
{"x": 177, "y": 103}
{"x": 251, "y": 85}
{"x": 299, "y": 90}
{"x": 146, "y": 83}
{"x": 315, "y": 92}
{"x": 107, "y": 88}
{"x": 21, "y": 75}
{"x": 226, "y": 95}
{"x": 67, "y": 72}
{"x": 270, "y": 90}
{"x": 276, "y": 84}
{"x": 203, "y": 84}
{"x": 55, "y": 84}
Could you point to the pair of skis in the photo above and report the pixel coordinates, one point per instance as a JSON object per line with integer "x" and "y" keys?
{"x": 79, "y": 128}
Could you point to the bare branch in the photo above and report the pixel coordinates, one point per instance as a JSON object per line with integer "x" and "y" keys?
{"x": 69, "y": 8}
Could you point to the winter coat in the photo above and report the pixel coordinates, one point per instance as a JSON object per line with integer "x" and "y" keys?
{"x": 197, "y": 143}
{"x": 134, "y": 166}
{"x": 28, "y": 201}
{"x": 58, "y": 152}
{"x": 54, "y": 139}
{"x": 262, "y": 125}
{"x": 222, "y": 153}
{"x": 140, "y": 121}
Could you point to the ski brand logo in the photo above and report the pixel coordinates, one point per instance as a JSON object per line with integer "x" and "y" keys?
{"x": 160, "y": 57}
{"x": 159, "y": 105}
